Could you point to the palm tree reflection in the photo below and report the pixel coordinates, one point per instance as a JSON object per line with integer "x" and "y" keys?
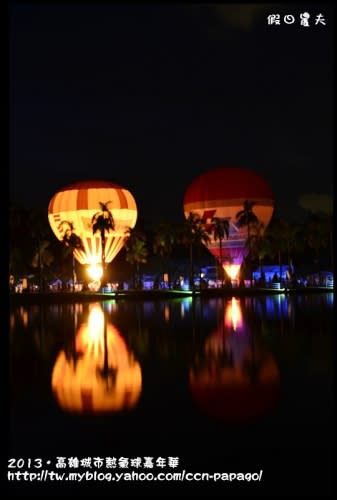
{"x": 102, "y": 375}
{"x": 234, "y": 378}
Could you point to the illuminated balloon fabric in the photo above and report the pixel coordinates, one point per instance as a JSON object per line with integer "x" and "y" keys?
{"x": 78, "y": 203}
{"x": 221, "y": 193}
{"x": 81, "y": 389}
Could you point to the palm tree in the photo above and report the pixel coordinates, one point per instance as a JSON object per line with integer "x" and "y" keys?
{"x": 286, "y": 239}
{"x": 260, "y": 244}
{"x": 42, "y": 259}
{"x": 39, "y": 237}
{"x": 318, "y": 235}
{"x": 220, "y": 229}
{"x": 72, "y": 241}
{"x": 246, "y": 217}
{"x": 42, "y": 240}
{"x": 193, "y": 233}
{"x": 136, "y": 251}
{"x": 164, "y": 240}
{"x": 102, "y": 222}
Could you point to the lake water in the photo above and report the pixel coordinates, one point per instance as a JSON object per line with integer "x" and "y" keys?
{"x": 217, "y": 385}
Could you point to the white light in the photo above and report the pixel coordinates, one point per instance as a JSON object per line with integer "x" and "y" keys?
{"x": 232, "y": 270}
{"x": 95, "y": 272}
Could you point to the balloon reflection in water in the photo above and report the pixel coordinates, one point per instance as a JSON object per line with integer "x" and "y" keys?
{"x": 235, "y": 380}
{"x": 103, "y": 376}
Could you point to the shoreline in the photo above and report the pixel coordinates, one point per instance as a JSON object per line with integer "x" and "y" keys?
{"x": 64, "y": 297}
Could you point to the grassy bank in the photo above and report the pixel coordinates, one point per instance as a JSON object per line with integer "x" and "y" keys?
{"x": 64, "y": 297}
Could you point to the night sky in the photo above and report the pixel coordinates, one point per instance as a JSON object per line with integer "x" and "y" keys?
{"x": 149, "y": 97}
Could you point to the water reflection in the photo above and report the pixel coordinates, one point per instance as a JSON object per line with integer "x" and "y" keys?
{"x": 234, "y": 378}
{"x": 223, "y": 357}
{"x": 99, "y": 374}
{"x": 233, "y": 315}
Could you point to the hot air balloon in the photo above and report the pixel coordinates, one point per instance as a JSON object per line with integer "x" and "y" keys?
{"x": 236, "y": 380}
{"x": 104, "y": 378}
{"x": 221, "y": 193}
{"x": 73, "y": 207}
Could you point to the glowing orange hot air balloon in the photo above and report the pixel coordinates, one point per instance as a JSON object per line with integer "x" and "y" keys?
{"x": 76, "y": 204}
{"x": 221, "y": 193}
{"x": 104, "y": 378}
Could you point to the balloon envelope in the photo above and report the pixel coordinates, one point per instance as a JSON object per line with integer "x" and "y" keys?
{"x": 221, "y": 193}
{"x": 78, "y": 203}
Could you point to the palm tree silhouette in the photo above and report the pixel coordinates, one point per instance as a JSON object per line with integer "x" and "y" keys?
{"x": 43, "y": 256}
{"x": 193, "y": 233}
{"x": 246, "y": 217}
{"x": 165, "y": 238}
{"x": 102, "y": 222}
{"x": 72, "y": 241}
{"x": 136, "y": 251}
{"x": 220, "y": 229}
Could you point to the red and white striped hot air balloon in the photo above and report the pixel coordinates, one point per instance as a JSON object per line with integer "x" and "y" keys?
{"x": 78, "y": 203}
{"x": 221, "y": 193}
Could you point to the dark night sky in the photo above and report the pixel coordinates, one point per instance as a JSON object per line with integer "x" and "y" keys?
{"x": 151, "y": 96}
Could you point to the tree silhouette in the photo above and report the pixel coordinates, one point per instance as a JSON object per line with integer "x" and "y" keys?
{"x": 72, "y": 241}
{"x": 193, "y": 233}
{"x": 136, "y": 251}
{"x": 164, "y": 240}
{"x": 220, "y": 229}
{"x": 103, "y": 222}
{"x": 246, "y": 217}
